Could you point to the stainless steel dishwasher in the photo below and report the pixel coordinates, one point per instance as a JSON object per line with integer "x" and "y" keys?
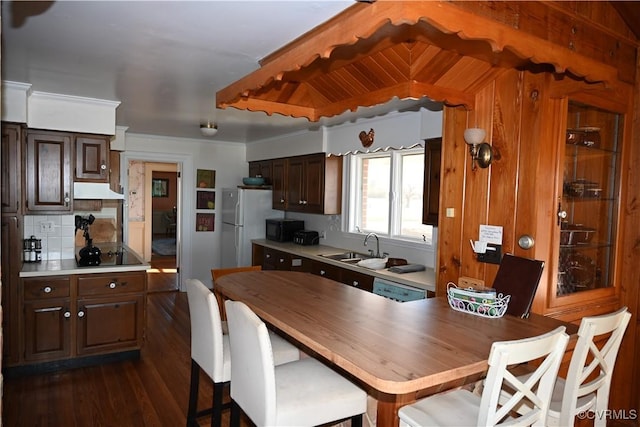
{"x": 397, "y": 291}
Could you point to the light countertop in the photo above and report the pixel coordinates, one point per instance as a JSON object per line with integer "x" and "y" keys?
{"x": 420, "y": 279}
{"x": 61, "y": 267}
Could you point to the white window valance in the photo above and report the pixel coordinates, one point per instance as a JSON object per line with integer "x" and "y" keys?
{"x": 391, "y": 132}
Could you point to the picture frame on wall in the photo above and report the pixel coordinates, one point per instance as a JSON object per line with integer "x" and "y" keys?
{"x": 206, "y": 200}
{"x": 206, "y": 178}
{"x": 205, "y": 221}
{"x": 159, "y": 187}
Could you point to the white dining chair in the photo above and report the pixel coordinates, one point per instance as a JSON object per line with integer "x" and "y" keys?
{"x": 300, "y": 393}
{"x": 210, "y": 351}
{"x": 462, "y": 407}
{"x": 588, "y": 378}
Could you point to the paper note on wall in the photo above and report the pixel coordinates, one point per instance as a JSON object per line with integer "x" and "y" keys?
{"x": 489, "y": 234}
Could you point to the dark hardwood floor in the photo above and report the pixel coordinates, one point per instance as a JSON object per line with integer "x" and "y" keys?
{"x": 152, "y": 391}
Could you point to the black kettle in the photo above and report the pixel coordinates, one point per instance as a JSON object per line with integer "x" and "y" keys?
{"x": 89, "y": 254}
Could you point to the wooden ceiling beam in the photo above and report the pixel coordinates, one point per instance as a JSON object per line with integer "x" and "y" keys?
{"x": 359, "y": 43}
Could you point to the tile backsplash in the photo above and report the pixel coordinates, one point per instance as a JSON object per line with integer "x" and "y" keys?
{"x": 56, "y": 232}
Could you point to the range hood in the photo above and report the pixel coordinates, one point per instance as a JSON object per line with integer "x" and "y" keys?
{"x": 94, "y": 191}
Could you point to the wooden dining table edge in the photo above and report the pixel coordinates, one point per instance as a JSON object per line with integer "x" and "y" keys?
{"x": 380, "y": 385}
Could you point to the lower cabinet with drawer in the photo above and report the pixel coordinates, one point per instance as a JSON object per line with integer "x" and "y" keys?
{"x": 47, "y": 318}
{"x": 110, "y": 312}
{"x": 66, "y": 318}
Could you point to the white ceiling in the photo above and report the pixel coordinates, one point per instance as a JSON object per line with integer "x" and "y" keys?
{"x": 163, "y": 60}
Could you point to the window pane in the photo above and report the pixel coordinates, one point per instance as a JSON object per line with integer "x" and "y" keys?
{"x": 411, "y": 197}
{"x": 375, "y": 194}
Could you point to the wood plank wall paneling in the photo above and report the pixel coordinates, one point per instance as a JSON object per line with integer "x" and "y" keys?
{"x": 507, "y": 114}
{"x": 627, "y": 372}
{"x": 476, "y": 185}
{"x": 452, "y": 176}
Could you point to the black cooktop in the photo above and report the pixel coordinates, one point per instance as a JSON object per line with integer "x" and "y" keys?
{"x": 112, "y": 254}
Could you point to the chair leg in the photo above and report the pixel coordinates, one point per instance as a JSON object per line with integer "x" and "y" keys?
{"x": 235, "y": 414}
{"x": 356, "y": 421}
{"x": 193, "y": 394}
{"x": 216, "y": 418}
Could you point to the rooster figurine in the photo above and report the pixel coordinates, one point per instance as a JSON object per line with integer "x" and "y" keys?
{"x": 366, "y": 138}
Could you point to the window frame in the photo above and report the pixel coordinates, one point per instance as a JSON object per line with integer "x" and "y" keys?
{"x": 352, "y": 193}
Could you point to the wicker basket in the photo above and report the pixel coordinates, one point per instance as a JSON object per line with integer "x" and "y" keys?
{"x": 477, "y": 303}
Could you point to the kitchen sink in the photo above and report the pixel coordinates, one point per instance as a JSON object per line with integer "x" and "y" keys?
{"x": 349, "y": 257}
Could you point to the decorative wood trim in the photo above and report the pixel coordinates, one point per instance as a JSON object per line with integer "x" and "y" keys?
{"x": 358, "y": 35}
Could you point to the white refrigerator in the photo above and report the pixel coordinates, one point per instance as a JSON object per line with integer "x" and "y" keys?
{"x": 244, "y": 211}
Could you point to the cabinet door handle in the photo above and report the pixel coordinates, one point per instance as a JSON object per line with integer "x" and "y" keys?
{"x": 355, "y": 283}
{"x": 47, "y": 289}
{"x": 112, "y": 285}
{"x": 66, "y": 199}
{"x": 67, "y": 314}
{"x": 562, "y": 214}
{"x": 81, "y": 314}
{"x": 103, "y": 167}
{"x": 281, "y": 200}
{"x": 322, "y": 272}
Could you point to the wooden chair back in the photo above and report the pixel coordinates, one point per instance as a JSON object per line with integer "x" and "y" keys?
{"x": 217, "y": 273}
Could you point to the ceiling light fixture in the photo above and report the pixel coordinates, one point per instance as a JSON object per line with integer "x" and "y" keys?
{"x": 209, "y": 129}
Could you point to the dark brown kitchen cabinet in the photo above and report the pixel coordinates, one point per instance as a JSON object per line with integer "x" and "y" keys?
{"x": 325, "y": 270}
{"x": 431, "y": 190}
{"x": 314, "y": 184}
{"x": 48, "y": 318}
{"x": 274, "y": 259}
{"x": 11, "y": 197}
{"x": 112, "y": 307}
{"x": 261, "y": 168}
{"x": 11, "y": 264}
{"x": 110, "y": 323}
{"x": 11, "y": 190}
{"x": 66, "y": 317}
{"x": 48, "y": 172}
{"x": 357, "y": 280}
{"x": 92, "y": 158}
{"x": 279, "y": 184}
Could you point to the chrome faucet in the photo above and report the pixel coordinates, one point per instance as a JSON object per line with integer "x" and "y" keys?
{"x": 377, "y": 243}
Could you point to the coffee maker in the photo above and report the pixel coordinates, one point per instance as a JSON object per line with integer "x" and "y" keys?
{"x": 89, "y": 255}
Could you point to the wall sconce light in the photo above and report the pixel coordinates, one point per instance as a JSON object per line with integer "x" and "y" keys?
{"x": 481, "y": 152}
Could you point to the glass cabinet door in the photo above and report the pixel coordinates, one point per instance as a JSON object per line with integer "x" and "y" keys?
{"x": 588, "y": 208}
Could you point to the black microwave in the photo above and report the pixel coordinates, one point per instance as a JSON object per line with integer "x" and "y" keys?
{"x": 282, "y": 230}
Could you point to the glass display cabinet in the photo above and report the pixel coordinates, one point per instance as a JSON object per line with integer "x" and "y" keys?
{"x": 589, "y": 205}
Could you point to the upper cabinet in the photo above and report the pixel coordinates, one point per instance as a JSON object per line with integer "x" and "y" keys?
{"x": 588, "y": 206}
{"x": 11, "y": 191}
{"x": 279, "y": 183}
{"x": 431, "y": 184}
{"x": 314, "y": 184}
{"x": 92, "y": 158}
{"x": 49, "y": 172}
{"x": 310, "y": 183}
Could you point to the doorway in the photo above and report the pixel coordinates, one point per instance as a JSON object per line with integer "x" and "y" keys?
{"x": 161, "y": 219}
{"x": 137, "y": 170}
